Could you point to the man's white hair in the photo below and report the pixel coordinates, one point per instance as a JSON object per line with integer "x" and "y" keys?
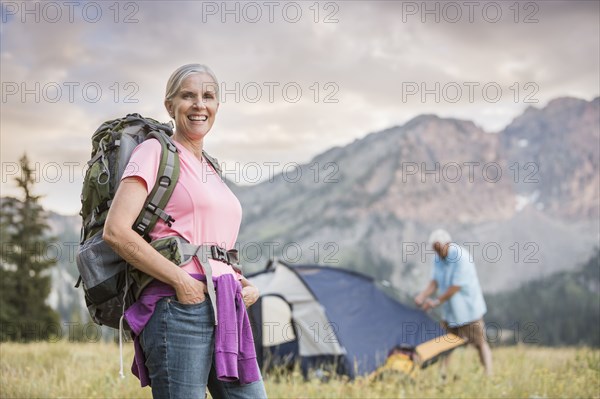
{"x": 441, "y": 236}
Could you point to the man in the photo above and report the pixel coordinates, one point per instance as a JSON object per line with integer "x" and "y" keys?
{"x": 461, "y": 299}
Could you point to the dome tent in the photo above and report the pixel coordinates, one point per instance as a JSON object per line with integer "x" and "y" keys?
{"x": 320, "y": 315}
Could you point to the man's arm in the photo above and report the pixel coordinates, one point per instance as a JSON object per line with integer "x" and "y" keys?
{"x": 426, "y": 293}
{"x": 432, "y": 303}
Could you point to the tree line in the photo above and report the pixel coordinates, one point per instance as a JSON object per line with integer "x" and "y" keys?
{"x": 561, "y": 309}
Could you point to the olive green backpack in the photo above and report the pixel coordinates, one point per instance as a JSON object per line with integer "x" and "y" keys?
{"x": 111, "y": 285}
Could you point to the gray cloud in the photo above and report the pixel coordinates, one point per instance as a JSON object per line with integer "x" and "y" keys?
{"x": 372, "y": 52}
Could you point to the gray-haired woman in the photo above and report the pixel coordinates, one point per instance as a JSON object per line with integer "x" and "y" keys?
{"x": 179, "y": 350}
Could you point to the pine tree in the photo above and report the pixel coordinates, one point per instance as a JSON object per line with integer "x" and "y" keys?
{"x": 24, "y": 272}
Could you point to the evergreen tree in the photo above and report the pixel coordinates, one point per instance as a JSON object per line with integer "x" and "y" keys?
{"x": 24, "y": 276}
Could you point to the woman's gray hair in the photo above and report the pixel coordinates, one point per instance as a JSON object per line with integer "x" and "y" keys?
{"x": 177, "y": 77}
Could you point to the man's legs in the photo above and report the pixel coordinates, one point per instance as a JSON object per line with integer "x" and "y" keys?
{"x": 445, "y": 361}
{"x": 485, "y": 355}
{"x": 475, "y": 333}
{"x": 444, "y": 365}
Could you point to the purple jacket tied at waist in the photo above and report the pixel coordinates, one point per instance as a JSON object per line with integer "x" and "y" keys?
{"x": 235, "y": 357}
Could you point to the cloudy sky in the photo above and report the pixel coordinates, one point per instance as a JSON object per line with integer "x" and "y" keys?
{"x": 296, "y": 77}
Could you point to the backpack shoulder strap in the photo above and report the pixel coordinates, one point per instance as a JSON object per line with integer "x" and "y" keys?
{"x": 214, "y": 163}
{"x": 166, "y": 179}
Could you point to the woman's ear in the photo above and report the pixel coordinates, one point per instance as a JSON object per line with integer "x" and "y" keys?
{"x": 169, "y": 107}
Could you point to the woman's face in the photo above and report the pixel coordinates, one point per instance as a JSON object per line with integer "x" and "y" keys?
{"x": 195, "y": 106}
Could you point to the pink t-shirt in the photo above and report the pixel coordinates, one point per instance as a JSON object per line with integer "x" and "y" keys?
{"x": 204, "y": 208}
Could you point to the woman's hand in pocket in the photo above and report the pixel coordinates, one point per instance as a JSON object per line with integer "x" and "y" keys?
{"x": 189, "y": 290}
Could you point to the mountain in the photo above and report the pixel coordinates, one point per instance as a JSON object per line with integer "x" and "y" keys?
{"x": 558, "y": 145}
{"x": 524, "y": 201}
{"x": 403, "y": 171}
{"x": 64, "y": 297}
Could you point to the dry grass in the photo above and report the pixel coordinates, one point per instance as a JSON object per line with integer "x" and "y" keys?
{"x": 68, "y": 370}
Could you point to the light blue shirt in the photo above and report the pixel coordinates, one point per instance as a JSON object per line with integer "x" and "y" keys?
{"x": 458, "y": 269}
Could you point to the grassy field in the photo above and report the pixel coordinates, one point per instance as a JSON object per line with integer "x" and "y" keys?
{"x": 53, "y": 370}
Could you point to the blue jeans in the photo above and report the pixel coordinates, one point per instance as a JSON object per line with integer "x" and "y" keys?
{"x": 178, "y": 343}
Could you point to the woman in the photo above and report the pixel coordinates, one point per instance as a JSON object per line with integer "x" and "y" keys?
{"x": 177, "y": 332}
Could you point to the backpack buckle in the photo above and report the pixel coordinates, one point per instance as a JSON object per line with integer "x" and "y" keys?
{"x": 219, "y": 253}
{"x": 171, "y": 147}
{"x": 141, "y": 227}
{"x": 164, "y": 181}
{"x": 233, "y": 257}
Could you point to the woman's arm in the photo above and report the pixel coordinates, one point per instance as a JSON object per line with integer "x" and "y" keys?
{"x": 118, "y": 233}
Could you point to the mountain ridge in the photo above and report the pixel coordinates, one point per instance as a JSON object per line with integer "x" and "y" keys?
{"x": 367, "y": 205}
{"x": 380, "y": 206}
